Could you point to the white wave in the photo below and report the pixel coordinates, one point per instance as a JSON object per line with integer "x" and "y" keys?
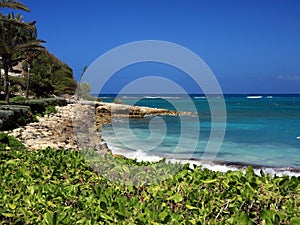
{"x": 270, "y": 96}
{"x": 142, "y": 156}
{"x": 105, "y": 97}
{"x": 139, "y": 155}
{"x": 278, "y": 172}
{"x": 200, "y": 97}
{"x": 151, "y": 97}
{"x": 129, "y": 97}
{"x": 174, "y": 97}
{"x": 254, "y": 97}
{"x": 213, "y": 167}
{"x": 162, "y": 97}
{"x": 225, "y": 168}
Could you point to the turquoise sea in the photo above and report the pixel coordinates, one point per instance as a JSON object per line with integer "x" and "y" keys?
{"x": 261, "y": 130}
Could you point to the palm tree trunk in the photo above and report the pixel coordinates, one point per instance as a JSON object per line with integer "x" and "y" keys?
{"x": 28, "y": 83}
{"x": 6, "y": 85}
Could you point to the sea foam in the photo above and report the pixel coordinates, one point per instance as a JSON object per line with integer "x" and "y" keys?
{"x": 141, "y": 156}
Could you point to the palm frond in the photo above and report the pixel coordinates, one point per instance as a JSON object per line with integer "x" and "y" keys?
{"x": 12, "y": 4}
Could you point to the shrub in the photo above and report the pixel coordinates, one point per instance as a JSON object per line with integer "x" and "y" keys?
{"x": 9, "y": 142}
{"x": 58, "y": 187}
{"x": 12, "y": 116}
{"x": 40, "y": 105}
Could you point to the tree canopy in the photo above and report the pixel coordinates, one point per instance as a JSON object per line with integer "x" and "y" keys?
{"x": 19, "y": 43}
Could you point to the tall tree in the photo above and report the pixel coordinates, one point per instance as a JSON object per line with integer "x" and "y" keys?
{"x": 29, "y": 55}
{"x": 15, "y": 41}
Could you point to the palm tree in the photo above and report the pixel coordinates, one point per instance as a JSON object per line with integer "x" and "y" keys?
{"x": 15, "y": 5}
{"x": 6, "y": 48}
{"x": 11, "y": 4}
{"x": 15, "y": 41}
{"x": 30, "y": 55}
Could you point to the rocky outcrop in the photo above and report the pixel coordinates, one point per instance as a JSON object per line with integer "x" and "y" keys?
{"x": 120, "y": 110}
{"x": 69, "y": 128}
{"x": 54, "y": 130}
{"x": 77, "y": 125}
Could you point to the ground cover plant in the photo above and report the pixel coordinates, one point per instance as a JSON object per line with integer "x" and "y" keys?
{"x": 59, "y": 187}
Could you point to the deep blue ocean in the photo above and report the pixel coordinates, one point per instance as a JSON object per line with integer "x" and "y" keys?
{"x": 261, "y": 130}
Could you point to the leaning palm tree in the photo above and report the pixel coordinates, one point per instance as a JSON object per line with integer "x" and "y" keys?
{"x": 15, "y": 41}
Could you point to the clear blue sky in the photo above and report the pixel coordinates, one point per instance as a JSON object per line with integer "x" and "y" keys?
{"x": 251, "y": 46}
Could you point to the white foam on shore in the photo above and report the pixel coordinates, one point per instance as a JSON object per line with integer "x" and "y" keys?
{"x": 225, "y": 168}
{"x": 139, "y": 155}
{"x": 142, "y": 156}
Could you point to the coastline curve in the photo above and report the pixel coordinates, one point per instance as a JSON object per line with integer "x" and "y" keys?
{"x": 105, "y": 66}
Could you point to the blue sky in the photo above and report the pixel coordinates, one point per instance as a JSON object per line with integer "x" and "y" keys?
{"x": 251, "y": 46}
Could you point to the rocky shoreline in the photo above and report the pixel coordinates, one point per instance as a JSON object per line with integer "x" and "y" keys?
{"x": 78, "y": 124}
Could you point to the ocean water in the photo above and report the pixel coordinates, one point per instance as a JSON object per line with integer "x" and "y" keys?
{"x": 261, "y": 130}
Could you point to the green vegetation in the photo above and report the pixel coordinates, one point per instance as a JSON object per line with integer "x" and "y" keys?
{"x": 49, "y": 76}
{"x": 41, "y": 105}
{"x": 17, "y": 38}
{"x": 12, "y": 116}
{"x": 42, "y": 73}
{"x": 83, "y": 92}
{"x": 25, "y": 111}
{"x": 59, "y": 187}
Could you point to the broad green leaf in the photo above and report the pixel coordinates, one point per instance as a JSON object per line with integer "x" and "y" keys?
{"x": 190, "y": 207}
{"x": 11, "y": 206}
{"x": 49, "y": 203}
{"x": 295, "y": 221}
{"x": 244, "y": 219}
{"x": 209, "y": 181}
{"x": 162, "y": 215}
{"x": 51, "y": 218}
{"x": 177, "y": 198}
{"x": 106, "y": 217}
{"x": 8, "y": 214}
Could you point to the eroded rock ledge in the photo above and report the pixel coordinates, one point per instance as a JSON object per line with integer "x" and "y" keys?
{"x": 135, "y": 111}
{"x": 77, "y": 125}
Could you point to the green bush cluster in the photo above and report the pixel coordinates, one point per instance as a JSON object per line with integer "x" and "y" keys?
{"x": 12, "y": 116}
{"x": 48, "y": 76}
{"x": 44, "y": 104}
{"x": 25, "y": 111}
{"x": 59, "y": 187}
